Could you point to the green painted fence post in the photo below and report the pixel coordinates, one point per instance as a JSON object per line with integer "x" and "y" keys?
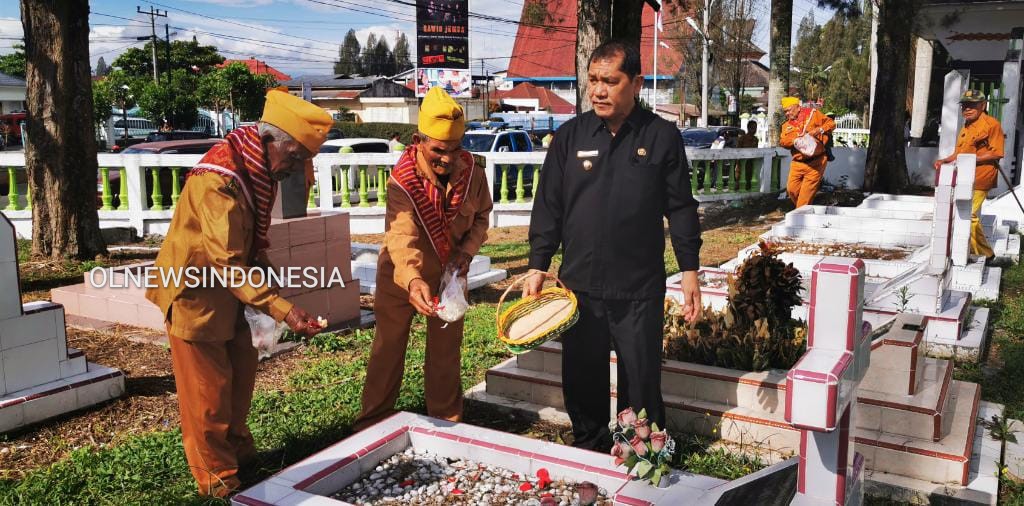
{"x": 694, "y": 171}
{"x": 520, "y": 191}
{"x": 12, "y": 190}
{"x": 175, "y": 186}
{"x": 755, "y": 176}
{"x": 536, "y": 181}
{"x": 345, "y": 194}
{"x": 106, "y": 197}
{"x": 157, "y": 196}
{"x": 381, "y": 187}
{"x": 122, "y": 192}
{"x": 504, "y": 185}
{"x": 364, "y": 198}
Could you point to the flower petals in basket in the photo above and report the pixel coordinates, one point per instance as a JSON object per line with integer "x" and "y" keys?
{"x": 532, "y": 321}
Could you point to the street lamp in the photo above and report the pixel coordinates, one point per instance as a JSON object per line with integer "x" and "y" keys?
{"x": 124, "y": 108}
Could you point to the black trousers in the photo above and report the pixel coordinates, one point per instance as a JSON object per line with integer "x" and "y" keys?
{"x": 634, "y": 328}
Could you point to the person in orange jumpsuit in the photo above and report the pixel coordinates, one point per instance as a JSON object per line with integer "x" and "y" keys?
{"x": 983, "y": 136}
{"x": 220, "y": 222}
{"x": 439, "y": 202}
{"x": 805, "y": 173}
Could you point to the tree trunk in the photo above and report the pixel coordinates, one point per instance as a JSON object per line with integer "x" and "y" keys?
{"x": 60, "y": 154}
{"x": 886, "y": 166}
{"x": 599, "y": 21}
{"x": 626, "y": 21}
{"x": 778, "y": 81}
{"x": 592, "y": 26}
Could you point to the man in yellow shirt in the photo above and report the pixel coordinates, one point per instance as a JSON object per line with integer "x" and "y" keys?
{"x": 221, "y": 223}
{"x": 983, "y": 136}
{"x": 439, "y": 201}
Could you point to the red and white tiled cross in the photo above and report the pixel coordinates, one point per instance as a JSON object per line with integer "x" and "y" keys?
{"x": 821, "y": 388}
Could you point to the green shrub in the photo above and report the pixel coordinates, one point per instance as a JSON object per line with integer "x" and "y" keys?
{"x": 755, "y": 331}
{"x": 377, "y": 130}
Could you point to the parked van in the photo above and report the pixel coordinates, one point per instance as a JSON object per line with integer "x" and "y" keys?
{"x": 137, "y": 127}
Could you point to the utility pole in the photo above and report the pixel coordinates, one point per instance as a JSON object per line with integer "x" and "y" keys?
{"x": 703, "y": 63}
{"x": 153, "y": 14}
{"x": 704, "y": 69}
{"x": 167, "y": 50}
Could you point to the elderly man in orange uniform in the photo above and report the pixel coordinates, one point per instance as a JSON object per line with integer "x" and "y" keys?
{"x": 221, "y": 222}
{"x": 805, "y": 172}
{"x": 437, "y": 213}
{"x": 983, "y": 136}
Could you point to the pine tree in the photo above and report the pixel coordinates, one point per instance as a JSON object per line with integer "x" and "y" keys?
{"x": 101, "y": 67}
{"x": 402, "y": 54}
{"x": 384, "y": 58}
{"x": 348, "y": 55}
{"x": 370, "y": 65}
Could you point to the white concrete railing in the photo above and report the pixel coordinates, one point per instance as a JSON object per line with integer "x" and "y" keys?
{"x": 354, "y": 179}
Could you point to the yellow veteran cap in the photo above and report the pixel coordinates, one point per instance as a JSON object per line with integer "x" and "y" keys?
{"x": 441, "y": 117}
{"x": 304, "y": 121}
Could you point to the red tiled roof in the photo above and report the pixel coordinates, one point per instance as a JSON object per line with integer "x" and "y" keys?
{"x": 546, "y": 98}
{"x": 259, "y": 67}
{"x": 540, "y": 52}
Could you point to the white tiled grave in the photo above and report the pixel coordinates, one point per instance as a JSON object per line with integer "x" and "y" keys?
{"x": 364, "y": 268}
{"x": 936, "y": 278}
{"x": 313, "y": 480}
{"x": 40, "y": 377}
{"x": 924, "y": 440}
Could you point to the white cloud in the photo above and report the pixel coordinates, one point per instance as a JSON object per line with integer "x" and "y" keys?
{"x": 390, "y": 34}
{"x": 10, "y": 31}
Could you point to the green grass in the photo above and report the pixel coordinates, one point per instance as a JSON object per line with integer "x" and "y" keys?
{"x": 1006, "y": 348}
{"x": 321, "y": 400}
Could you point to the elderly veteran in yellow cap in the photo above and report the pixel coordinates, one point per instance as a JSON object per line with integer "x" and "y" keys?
{"x": 219, "y": 223}
{"x": 805, "y": 172}
{"x": 437, "y": 215}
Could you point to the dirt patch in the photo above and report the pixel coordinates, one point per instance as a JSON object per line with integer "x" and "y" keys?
{"x": 38, "y": 277}
{"x": 150, "y": 402}
{"x": 841, "y": 250}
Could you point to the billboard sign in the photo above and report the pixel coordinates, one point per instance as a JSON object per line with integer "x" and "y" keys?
{"x": 458, "y": 83}
{"x": 442, "y": 34}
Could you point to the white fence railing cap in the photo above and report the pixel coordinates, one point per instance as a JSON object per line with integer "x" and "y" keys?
{"x": 729, "y": 153}
{"x": 328, "y": 160}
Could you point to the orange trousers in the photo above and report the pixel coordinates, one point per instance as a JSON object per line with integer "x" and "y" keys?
{"x": 442, "y": 364}
{"x": 803, "y": 183}
{"x": 215, "y": 381}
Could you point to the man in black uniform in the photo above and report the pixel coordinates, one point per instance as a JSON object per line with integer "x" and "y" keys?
{"x": 609, "y": 179}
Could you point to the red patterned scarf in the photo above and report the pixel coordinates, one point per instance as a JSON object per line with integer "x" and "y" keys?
{"x": 241, "y": 158}
{"x": 428, "y": 200}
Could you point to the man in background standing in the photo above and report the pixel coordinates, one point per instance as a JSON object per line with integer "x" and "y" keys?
{"x": 983, "y": 136}
{"x": 805, "y": 172}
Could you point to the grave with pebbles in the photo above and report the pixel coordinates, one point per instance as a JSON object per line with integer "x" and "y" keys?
{"x": 420, "y": 477}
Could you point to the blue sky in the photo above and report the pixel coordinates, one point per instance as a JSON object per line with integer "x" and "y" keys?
{"x": 298, "y": 36}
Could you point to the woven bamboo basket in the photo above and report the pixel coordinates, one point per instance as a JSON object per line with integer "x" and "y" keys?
{"x": 532, "y": 321}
